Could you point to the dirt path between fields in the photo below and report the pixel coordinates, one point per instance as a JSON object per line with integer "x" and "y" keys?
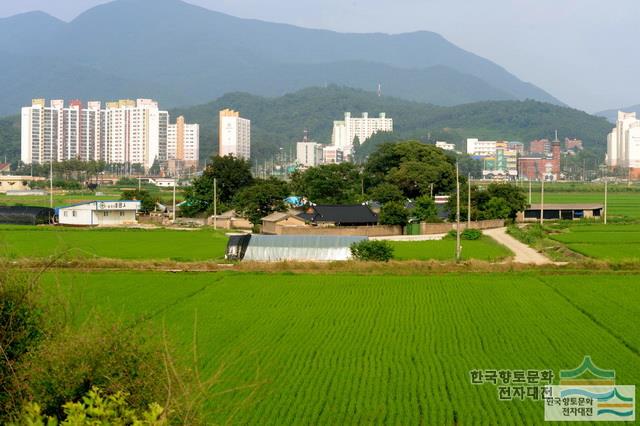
{"x": 523, "y": 253}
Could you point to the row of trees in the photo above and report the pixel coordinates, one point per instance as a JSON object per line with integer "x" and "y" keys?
{"x": 392, "y": 175}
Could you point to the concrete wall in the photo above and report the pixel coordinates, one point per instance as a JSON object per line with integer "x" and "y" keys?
{"x": 230, "y": 223}
{"x": 443, "y": 228}
{"x": 366, "y": 231}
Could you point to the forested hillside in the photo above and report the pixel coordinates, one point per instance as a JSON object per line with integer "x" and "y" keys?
{"x": 280, "y": 122}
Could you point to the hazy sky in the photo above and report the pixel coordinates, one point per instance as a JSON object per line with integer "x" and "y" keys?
{"x": 584, "y": 52}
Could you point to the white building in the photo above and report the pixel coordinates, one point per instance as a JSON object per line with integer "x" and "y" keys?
{"x": 446, "y": 146}
{"x": 623, "y": 143}
{"x": 332, "y": 155}
{"x": 481, "y": 148}
{"x": 345, "y": 132}
{"x": 125, "y": 132}
{"x": 234, "y": 135}
{"x": 183, "y": 146}
{"x": 309, "y": 154}
{"x": 99, "y": 213}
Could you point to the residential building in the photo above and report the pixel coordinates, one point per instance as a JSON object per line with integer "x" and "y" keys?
{"x": 541, "y": 146}
{"x": 623, "y": 144}
{"x": 124, "y": 132}
{"x": 346, "y": 131}
{"x": 446, "y": 146}
{"x": 234, "y": 135}
{"x": 183, "y": 146}
{"x": 572, "y": 144}
{"x": 308, "y": 153}
{"x": 477, "y": 147}
{"x": 332, "y": 155}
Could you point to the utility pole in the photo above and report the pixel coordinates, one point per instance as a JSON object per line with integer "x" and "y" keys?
{"x": 458, "y": 248}
{"x": 174, "y": 199}
{"x": 605, "y": 199}
{"x": 529, "y": 191}
{"x": 139, "y": 184}
{"x": 215, "y": 203}
{"x": 469, "y": 203}
{"x": 542, "y": 202}
{"x": 51, "y": 183}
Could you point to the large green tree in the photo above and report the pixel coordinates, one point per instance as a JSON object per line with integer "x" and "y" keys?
{"x": 329, "y": 184}
{"x": 262, "y": 198}
{"x": 412, "y": 166}
{"x": 394, "y": 213}
{"x": 231, "y": 174}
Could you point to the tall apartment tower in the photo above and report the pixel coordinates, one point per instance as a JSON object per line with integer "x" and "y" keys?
{"x": 345, "y": 132}
{"x": 234, "y": 135}
{"x": 183, "y": 146}
{"x": 623, "y": 143}
{"x": 132, "y": 132}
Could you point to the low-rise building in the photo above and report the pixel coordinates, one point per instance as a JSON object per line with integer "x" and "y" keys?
{"x": 332, "y": 155}
{"x": 446, "y": 146}
{"x": 99, "y": 213}
{"x": 560, "y": 212}
{"x": 308, "y": 153}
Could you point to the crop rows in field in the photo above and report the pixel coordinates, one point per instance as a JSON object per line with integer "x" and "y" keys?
{"x": 375, "y": 349}
{"x": 115, "y": 243}
{"x": 484, "y": 248}
{"x": 609, "y": 242}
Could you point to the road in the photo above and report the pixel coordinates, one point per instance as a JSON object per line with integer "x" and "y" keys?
{"x": 523, "y": 253}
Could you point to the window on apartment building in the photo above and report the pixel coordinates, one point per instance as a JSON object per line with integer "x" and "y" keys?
{"x": 74, "y": 213}
{"x": 105, "y": 214}
{"x": 121, "y": 214}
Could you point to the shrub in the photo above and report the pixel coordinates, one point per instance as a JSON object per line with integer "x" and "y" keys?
{"x": 114, "y": 358}
{"x": 467, "y": 234}
{"x": 21, "y": 329}
{"x": 394, "y": 213}
{"x": 374, "y": 251}
{"x": 97, "y": 408}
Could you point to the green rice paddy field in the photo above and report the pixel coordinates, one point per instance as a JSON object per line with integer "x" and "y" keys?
{"x": 187, "y": 246}
{"x": 348, "y": 349}
{"x": 608, "y": 242}
{"x": 130, "y": 244}
{"x": 484, "y": 248}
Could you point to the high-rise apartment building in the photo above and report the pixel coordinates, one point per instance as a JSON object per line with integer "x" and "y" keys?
{"x": 345, "y": 131}
{"x": 623, "y": 143}
{"x": 183, "y": 146}
{"x": 234, "y": 135}
{"x": 124, "y": 132}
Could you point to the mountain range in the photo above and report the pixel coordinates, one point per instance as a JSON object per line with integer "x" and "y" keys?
{"x": 181, "y": 54}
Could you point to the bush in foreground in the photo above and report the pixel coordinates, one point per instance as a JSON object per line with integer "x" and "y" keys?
{"x": 372, "y": 251}
{"x": 96, "y": 409}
